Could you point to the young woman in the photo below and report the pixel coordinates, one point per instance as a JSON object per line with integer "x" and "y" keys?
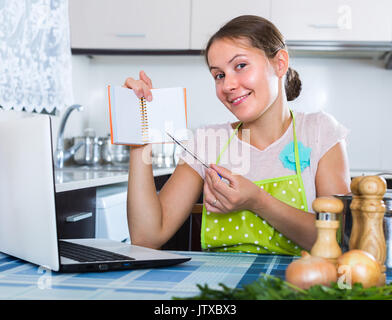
{"x": 290, "y": 157}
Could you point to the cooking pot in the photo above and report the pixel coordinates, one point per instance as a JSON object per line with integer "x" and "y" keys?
{"x": 347, "y": 217}
{"x": 90, "y": 151}
{"x": 112, "y": 153}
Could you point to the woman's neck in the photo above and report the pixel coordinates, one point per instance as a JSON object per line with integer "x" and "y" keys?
{"x": 269, "y": 127}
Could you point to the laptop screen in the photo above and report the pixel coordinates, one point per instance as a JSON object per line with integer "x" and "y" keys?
{"x": 27, "y": 191}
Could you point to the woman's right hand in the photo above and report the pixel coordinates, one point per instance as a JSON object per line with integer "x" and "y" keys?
{"x": 141, "y": 87}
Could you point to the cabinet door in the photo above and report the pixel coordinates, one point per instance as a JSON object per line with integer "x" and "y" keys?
{"x": 76, "y": 213}
{"x": 125, "y": 24}
{"x": 208, "y": 16}
{"x": 333, "y": 20}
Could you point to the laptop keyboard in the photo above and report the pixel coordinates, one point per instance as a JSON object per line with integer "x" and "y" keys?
{"x": 83, "y": 253}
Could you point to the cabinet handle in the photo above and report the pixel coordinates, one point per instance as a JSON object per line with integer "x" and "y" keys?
{"x": 323, "y": 26}
{"x": 130, "y": 35}
{"x": 79, "y": 216}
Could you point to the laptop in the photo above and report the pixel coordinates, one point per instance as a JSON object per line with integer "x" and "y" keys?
{"x": 28, "y": 226}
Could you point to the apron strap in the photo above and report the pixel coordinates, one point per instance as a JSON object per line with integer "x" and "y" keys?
{"x": 298, "y": 164}
{"x": 296, "y": 154}
{"x": 227, "y": 143}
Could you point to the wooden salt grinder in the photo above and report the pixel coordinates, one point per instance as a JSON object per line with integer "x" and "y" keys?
{"x": 327, "y": 223}
{"x": 372, "y": 209}
{"x": 355, "y": 207}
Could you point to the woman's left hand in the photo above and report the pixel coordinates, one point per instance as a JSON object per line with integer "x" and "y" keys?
{"x": 220, "y": 197}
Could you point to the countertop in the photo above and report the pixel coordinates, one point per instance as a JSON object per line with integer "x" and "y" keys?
{"x": 74, "y": 178}
{"x": 358, "y": 172}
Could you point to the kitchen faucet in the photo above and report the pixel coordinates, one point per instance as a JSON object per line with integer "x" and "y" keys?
{"x": 62, "y": 155}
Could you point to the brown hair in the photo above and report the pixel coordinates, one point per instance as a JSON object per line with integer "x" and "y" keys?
{"x": 264, "y": 35}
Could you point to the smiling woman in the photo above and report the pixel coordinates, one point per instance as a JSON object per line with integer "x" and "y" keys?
{"x": 243, "y": 80}
{"x": 288, "y": 158}
{"x": 262, "y": 34}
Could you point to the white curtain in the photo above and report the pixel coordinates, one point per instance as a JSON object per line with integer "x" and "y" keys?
{"x": 35, "y": 55}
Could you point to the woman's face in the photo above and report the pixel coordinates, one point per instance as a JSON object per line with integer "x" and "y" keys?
{"x": 245, "y": 79}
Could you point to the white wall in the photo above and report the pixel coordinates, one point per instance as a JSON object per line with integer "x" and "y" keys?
{"x": 358, "y": 92}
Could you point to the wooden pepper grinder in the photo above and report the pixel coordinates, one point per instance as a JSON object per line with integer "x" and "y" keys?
{"x": 355, "y": 207}
{"x": 327, "y": 222}
{"x": 372, "y": 209}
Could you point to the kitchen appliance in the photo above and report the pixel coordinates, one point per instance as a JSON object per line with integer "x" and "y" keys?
{"x": 112, "y": 153}
{"x": 388, "y": 237}
{"x": 347, "y": 222}
{"x": 163, "y": 155}
{"x": 111, "y": 214}
{"x": 90, "y": 151}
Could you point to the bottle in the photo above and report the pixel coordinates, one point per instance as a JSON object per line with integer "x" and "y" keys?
{"x": 372, "y": 210}
{"x": 328, "y": 211}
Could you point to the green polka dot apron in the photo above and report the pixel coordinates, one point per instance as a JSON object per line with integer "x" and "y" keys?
{"x": 245, "y": 231}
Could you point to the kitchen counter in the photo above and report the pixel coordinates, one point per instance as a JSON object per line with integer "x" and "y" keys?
{"x": 74, "y": 178}
{"x": 356, "y": 173}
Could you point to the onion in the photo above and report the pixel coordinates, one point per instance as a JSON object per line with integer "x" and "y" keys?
{"x": 311, "y": 270}
{"x": 360, "y": 266}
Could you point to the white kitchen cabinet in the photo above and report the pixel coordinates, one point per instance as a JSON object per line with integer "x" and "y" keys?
{"x": 333, "y": 20}
{"x": 130, "y": 25}
{"x": 208, "y": 16}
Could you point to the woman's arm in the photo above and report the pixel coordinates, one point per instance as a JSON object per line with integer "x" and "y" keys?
{"x": 333, "y": 172}
{"x": 154, "y": 218}
{"x": 332, "y": 177}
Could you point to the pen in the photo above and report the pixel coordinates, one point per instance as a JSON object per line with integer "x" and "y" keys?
{"x": 190, "y": 152}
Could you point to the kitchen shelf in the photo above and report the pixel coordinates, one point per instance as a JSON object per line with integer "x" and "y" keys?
{"x": 133, "y": 52}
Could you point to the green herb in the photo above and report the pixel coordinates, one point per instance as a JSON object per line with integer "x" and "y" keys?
{"x": 272, "y": 288}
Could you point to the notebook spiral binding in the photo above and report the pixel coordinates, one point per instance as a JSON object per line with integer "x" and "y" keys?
{"x": 144, "y": 119}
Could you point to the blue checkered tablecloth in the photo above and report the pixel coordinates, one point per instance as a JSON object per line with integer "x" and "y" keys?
{"x": 22, "y": 280}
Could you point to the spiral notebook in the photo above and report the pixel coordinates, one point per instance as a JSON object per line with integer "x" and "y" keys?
{"x": 135, "y": 121}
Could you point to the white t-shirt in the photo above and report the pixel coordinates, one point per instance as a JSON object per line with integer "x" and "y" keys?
{"x": 316, "y": 134}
